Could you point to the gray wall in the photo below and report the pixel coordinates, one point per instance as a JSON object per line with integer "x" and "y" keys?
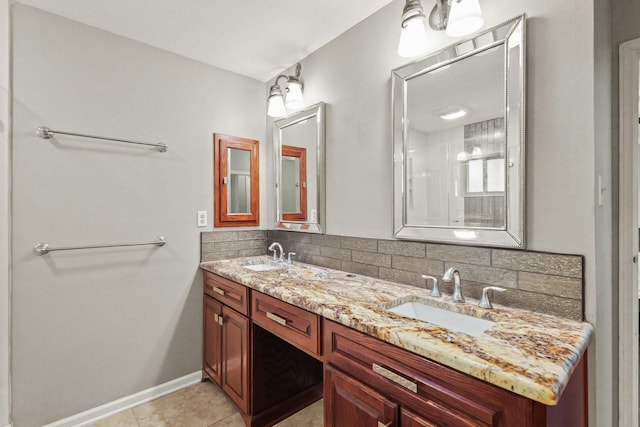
{"x": 90, "y": 327}
{"x": 5, "y": 171}
{"x": 352, "y": 74}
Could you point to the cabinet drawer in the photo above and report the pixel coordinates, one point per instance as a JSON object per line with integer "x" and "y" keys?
{"x": 228, "y": 292}
{"x": 294, "y": 325}
{"x": 438, "y": 394}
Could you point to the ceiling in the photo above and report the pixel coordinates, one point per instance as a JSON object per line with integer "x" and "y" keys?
{"x": 255, "y": 38}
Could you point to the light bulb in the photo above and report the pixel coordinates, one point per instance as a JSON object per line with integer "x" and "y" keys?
{"x": 294, "y": 101}
{"x": 413, "y": 38}
{"x": 465, "y": 17}
{"x": 275, "y": 106}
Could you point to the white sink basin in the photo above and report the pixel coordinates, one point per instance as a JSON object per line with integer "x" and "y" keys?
{"x": 444, "y": 318}
{"x": 262, "y": 267}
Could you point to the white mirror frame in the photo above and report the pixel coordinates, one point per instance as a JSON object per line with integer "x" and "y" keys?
{"x": 513, "y": 233}
{"x": 315, "y": 112}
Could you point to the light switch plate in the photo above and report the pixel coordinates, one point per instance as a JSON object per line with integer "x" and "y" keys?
{"x": 202, "y": 218}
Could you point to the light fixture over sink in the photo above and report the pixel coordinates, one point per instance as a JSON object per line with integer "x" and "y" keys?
{"x": 457, "y": 17}
{"x": 277, "y": 104}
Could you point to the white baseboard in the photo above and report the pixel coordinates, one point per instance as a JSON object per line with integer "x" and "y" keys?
{"x": 89, "y": 417}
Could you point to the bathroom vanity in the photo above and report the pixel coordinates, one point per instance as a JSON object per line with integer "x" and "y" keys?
{"x": 278, "y": 337}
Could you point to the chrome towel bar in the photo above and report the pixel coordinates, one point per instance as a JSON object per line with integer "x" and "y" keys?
{"x": 46, "y": 133}
{"x": 44, "y": 248}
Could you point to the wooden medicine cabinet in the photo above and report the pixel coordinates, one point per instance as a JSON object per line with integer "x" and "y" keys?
{"x": 236, "y": 181}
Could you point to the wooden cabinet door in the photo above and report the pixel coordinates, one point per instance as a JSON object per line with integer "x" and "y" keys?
{"x": 409, "y": 419}
{"x": 235, "y": 357}
{"x": 349, "y": 403}
{"x": 212, "y": 339}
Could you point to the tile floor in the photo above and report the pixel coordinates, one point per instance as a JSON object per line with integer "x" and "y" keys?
{"x": 200, "y": 405}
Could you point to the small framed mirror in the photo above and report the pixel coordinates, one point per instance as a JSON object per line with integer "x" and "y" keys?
{"x": 459, "y": 141}
{"x": 236, "y": 181}
{"x": 299, "y": 146}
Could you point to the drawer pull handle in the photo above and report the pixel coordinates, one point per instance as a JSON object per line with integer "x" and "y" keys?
{"x": 392, "y": 376}
{"x": 220, "y": 320}
{"x": 381, "y": 424}
{"x": 276, "y": 318}
{"x": 217, "y": 290}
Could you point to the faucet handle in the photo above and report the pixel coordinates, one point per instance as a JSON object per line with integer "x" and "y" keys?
{"x": 485, "y": 302}
{"x": 289, "y": 255}
{"x": 435, "y": 291}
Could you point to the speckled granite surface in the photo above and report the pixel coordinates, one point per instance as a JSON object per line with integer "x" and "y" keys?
{"x": 528, "y": 353}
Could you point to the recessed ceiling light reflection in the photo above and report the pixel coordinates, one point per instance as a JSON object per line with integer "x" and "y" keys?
{"x": 453, "y": 113}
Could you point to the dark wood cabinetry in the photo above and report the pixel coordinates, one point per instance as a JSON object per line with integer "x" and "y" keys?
{"x": 270, "y": 356}
{"x": 266, "y": 377}
{"x": 430, "y": 394}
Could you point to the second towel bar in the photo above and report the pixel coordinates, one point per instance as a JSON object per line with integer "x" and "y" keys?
{"x": 46, "y": 133}
{"x": 44, "y": 248}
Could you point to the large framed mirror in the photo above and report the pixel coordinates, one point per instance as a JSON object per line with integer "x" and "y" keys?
{"x": 299, "y": 141}
{"x": 459, "y": 141}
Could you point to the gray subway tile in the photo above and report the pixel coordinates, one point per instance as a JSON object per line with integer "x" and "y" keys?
{"x": 252, "y": 235}
{"x": 401, "y": 276}
{"x": 393, "y": 247}
{"x": 214, "y": 256}
{"x": 325, "y": 240}
{"x": 467, "y": 254}
{"x": 567, "y": 287}
{"x": 538, "y": 262}
{"x": 359, "y": 243}
{"x": 235, "y": 245}
{"x": 305, "y": 248}
{"x": 548, "y": 304}
{"x": 418, "y": 265}
{"x": 331, "y": 252}
{"x": 485, "y": 275}
{"x": 381, "y": 260}
{"x": 325, "y": 262}
{"x": 251, "y": 252}
{"x": 219, "y": 236}
{"x": 207, "y": 247}
{"x": 262, "y": 243}
{"x": 358, "y": 268}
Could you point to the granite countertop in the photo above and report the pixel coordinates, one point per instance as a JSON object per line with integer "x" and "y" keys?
{"x": 531, "y": 354}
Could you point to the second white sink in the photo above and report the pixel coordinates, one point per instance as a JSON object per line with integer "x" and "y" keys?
{"x": 444, "y": 318}
{"x": 261, "y": 267}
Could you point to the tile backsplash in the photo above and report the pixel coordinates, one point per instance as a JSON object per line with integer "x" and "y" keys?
{"x": 537, "y": 281}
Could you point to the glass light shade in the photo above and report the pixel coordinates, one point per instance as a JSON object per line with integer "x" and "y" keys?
{"x": 275, "y": 106}
{"x": 294, "y": 101}
{"x": 413, "y": 38}
{"x": 465, "y": 17}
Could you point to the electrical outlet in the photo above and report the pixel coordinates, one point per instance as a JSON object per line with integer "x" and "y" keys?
{"x": 314, "y": 216}
{"x": 202, "y": 218}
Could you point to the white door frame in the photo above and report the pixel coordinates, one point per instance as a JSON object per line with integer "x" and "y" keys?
{"x": 628, "y": 229}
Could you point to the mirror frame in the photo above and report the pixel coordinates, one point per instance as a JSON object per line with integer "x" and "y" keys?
{"x": 513, "y": 233}
{"x": 314, "y": 112}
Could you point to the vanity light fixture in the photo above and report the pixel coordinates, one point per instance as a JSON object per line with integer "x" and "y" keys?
{"x": 277, "y": 104}
{"x": 413, "y": 36}
{"x": 457, "y": 17}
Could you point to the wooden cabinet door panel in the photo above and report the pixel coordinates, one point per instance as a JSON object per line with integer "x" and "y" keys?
{"x": 409, "y": 419}
{"x": 227, "y": 292}
{"x": 212, "y": 339}
{"x": 349, "y": 403}
{"x": 235, "y": 366}
{"x": 290, "y": 323}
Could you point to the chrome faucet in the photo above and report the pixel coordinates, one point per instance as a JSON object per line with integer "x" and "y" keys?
{"x": 453, "y": 274}
{"x": 274, "y": 246}
{"x": 435, "y": 291}
{"x": 485, "y": 301}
